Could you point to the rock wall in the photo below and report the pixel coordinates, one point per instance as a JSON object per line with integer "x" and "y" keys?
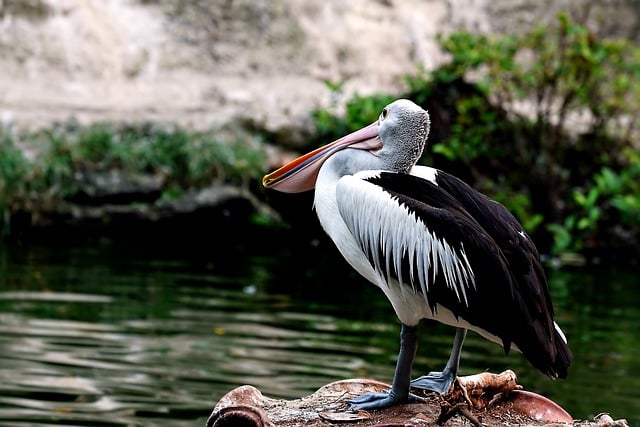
{"x": 199, "y": 63}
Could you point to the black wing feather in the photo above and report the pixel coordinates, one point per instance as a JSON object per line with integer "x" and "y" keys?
{"x": 511, "y": 298}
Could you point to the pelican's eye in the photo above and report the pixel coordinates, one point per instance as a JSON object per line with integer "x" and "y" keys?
{"x": 384, "y": 114}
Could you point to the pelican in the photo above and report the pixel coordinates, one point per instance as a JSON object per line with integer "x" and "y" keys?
{"x": 436, "y": 247}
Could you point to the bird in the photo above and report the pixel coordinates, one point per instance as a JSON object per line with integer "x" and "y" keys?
{"x": 436, "y": 247}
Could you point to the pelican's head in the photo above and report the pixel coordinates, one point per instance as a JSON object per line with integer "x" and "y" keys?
{"x": 403, "y": 128}
{"x": 396, "y": 141}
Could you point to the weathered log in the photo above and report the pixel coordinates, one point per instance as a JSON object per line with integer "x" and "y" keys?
{"x": 483, "y": 399}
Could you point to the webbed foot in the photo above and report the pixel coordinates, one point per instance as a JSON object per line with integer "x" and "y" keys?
{"x": 435, "y": 381}
{"x": 380, "y": 400}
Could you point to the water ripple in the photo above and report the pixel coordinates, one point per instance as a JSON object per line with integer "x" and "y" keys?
{"x": 93, "y": 342}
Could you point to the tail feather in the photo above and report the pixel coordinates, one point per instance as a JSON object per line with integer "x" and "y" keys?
{"x": 563, "y": 355}
{"x": 548, "y": 352}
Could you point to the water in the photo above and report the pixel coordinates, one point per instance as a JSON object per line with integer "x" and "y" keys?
{"x": 122, "y": 334}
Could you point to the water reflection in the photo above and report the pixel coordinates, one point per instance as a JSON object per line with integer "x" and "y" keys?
{"x": 123, "y": 336}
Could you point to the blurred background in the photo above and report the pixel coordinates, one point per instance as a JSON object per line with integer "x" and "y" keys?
{"x": 144, "y": 272}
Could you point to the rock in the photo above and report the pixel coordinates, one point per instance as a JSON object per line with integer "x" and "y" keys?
{"x": 219, "y": 209}
{"x": 116, "y": 187}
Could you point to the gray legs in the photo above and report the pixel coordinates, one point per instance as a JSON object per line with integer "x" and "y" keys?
{"x": 400, "y": 387}
{"x": 434, "y": 381}
{"x": 441, "y": 381}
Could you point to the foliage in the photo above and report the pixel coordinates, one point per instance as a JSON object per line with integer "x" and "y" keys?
{"x": 182, "y": 159}
{"x": 612, "y": 198}
{"x": 554, "y": 112}
{"x": 13, "y": 169}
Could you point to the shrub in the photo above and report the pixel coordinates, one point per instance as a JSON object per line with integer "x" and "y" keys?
{"x": 553, "y": 115}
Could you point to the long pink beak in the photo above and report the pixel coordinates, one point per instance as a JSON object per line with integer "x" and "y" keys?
{"x": 300, "y": 174}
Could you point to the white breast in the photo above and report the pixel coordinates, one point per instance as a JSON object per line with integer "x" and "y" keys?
{"x": 326, "y": 206}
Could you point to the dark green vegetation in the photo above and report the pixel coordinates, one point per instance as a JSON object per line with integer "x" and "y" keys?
{"x": 545, "y": 122}
{"x": 166, "y": 161}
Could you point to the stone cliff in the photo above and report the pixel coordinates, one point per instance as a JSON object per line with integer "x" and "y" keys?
{"x": 199, "y": 63}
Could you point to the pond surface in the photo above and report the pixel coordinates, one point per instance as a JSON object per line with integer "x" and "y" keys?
{"x": 122, "y": 334}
